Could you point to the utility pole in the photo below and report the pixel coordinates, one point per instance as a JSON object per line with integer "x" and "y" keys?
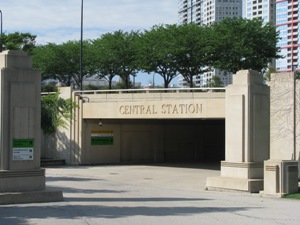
{"x": 295, "y": 112}
{"x": 81, "y": 36}
{"x": 1, "y": 33}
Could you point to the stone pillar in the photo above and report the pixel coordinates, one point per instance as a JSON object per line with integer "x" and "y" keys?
{"x": 247, "y": 134}
{"x": 281, "y": 170}
{"x": 20, "y": 117}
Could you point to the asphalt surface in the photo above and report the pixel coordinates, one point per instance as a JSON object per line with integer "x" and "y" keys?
{"x": 142, "y": 195}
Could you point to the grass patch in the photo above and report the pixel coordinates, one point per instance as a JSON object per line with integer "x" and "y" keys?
{"x": 293, "y": 196}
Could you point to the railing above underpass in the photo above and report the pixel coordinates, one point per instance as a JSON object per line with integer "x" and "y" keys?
{"x": 155, "y": 94}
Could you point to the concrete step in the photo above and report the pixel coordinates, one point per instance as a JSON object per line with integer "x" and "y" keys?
{"x": 52, "y": 162}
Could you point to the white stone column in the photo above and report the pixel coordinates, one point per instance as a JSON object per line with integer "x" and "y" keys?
{"x": 247, "y": 134}
{"x": 20, "y": 122}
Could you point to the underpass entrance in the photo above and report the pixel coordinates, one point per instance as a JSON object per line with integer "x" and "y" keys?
{"x": 154, "y": 140}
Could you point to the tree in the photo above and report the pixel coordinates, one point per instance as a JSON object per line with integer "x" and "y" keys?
{"x": 18, "y": 41}
{"x": 215, "y": 81}
{"x": 192, "y": 59}
{"x": 91, "y": 87}
{"x": 157, "y": 52}
{"x": 116, "y": 54}
{"x": 269, "y": 71}
{"x": 54, "y": 112}
{"x": 49, "y": 88}
{"x": 238, "y": 43}
{"x": 105, "y": 63}
{"x": 62, "y": 61}
{"x": 44, "y": 59}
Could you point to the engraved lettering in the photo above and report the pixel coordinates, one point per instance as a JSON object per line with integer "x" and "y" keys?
{"x": 165, "y": 109}
{"x": 122, "y": 110}
{"x": 199, "y": 108}
{"x": 191, "y": 108}
{"x": 175, "y": 111}
{"x": 153, "y": 109}
{"x": 183, "y": 108}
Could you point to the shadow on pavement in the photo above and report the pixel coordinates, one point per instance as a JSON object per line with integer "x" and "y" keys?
{"x": 84, "y": 199}
{"x": 22, "y": 213}
{"x": 191, "y": 165}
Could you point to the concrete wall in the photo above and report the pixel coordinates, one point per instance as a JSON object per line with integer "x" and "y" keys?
{"x": 282, "y": 116}
{"x": 58, "y": 145}
{"x": 154, "y": 105}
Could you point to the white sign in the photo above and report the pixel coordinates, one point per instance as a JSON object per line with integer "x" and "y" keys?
{"x": 22, "y": 153}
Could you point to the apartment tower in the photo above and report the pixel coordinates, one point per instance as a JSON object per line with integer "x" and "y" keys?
{"x": 287, "y": 20}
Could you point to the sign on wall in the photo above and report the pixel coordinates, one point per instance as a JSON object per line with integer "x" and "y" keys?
{"x": 102, "y": 137}
{"x": 23, "y": 149}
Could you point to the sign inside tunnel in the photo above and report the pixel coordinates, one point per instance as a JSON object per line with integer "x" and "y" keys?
{"x": 101, "y": 137}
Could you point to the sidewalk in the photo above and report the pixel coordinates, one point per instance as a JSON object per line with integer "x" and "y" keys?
{"x": 142, "y": 195}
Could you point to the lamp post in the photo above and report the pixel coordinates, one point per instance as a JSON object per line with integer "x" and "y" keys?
{"x": 81, "y": 35}
{"x": 1, "y": 32}
{"x": 294, "y": 69}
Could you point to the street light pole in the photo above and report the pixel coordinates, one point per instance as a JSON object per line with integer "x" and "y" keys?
{"x": 1, "y": 33}
{"x": 81, "y": 36}
{"x": 295, "y": 112}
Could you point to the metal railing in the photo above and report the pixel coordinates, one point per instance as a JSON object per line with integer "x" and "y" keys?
{"x": 150, "y": 94}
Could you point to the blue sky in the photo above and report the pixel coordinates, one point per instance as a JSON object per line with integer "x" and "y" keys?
{"x": 59, "y": 20}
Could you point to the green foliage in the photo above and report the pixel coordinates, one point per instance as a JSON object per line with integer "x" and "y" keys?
{"x": 293, "y": 196}
{"x": 168, "y": 50}
{"x": 54, "y": 112}
{"x": 18, "y": 41}
{"x": 123, "y": 85}
{"x": 238, "y": 43}
{"x": 215, "y": 81}
{"x": 157, "y": 49}
{"x": 116, "y": 54}
{"x": 269, "y": 71}
{"x": 62, "y": 61}
{"x": 192, "y": 43}
{"x": 49, "y": 88}
{"x": 91, "y": 87}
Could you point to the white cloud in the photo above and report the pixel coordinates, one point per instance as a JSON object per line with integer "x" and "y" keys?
{"x": 59, "y": 20}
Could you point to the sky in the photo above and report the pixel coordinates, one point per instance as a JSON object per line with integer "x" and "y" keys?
{"x": 59, "y": 21}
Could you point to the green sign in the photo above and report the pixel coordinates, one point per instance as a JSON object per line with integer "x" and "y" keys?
{"x": 102, "y": 140}
{"x": 23, "y": 143}
{"x": 23, "y": 149}
{"x": 102, "y": 137}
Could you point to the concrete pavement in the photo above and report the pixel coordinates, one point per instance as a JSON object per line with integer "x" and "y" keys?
{"x": 142, "y": 195}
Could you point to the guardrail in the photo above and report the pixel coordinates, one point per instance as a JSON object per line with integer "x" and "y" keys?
{"x": 150, "y": 94}
{"x": 153, "y": 90}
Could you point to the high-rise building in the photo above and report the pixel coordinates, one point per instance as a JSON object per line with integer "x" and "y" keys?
{"x": 262, "y": 9}
{"x": 204, "y": 12}
{"x": 284, "y": 15}
{"x": 287, "y": 19}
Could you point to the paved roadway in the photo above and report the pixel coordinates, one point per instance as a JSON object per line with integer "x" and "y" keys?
{"x": 144, "y": 195}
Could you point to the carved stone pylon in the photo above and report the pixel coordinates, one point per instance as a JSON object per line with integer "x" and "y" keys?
{"x": 247, "y": 134}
